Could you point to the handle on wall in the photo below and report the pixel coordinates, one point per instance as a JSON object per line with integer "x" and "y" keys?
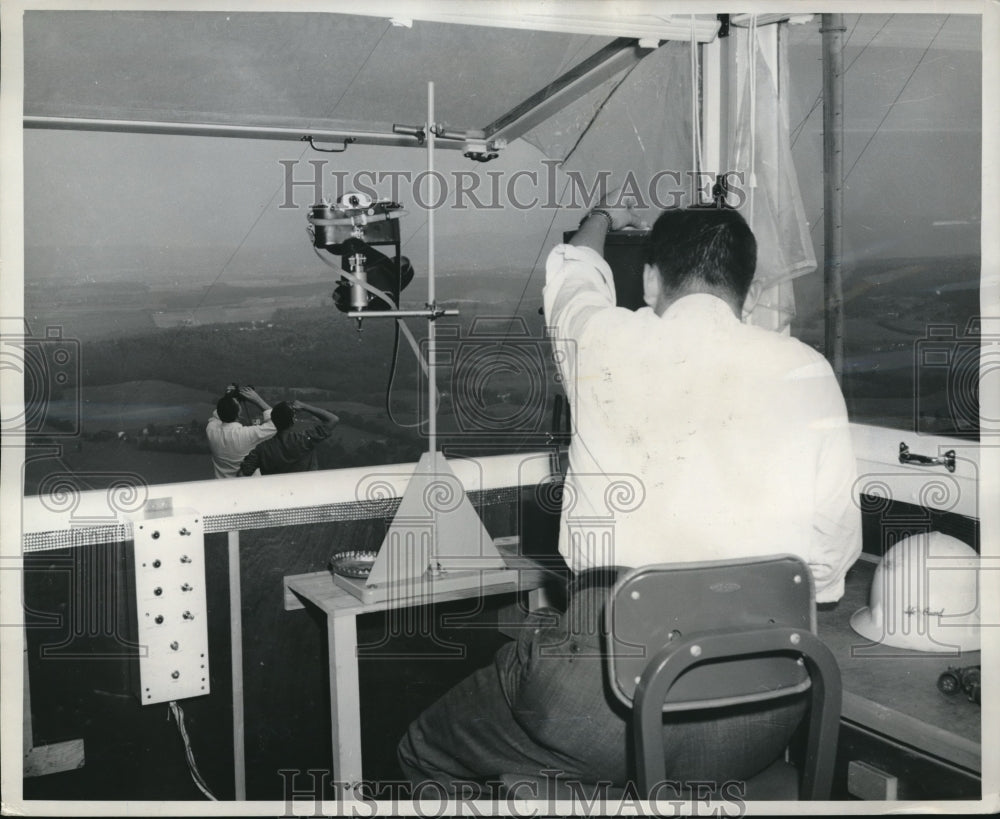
{"x": 947, "y": 460}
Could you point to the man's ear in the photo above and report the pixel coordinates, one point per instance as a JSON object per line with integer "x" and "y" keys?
{"x": 651, "y": 285}
{"x": 753, "y": 296}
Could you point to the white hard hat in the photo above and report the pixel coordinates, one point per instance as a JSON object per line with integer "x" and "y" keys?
{"x": 924, "y": 596}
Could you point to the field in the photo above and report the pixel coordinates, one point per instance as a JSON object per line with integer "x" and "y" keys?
{"x": 496, "y": 384}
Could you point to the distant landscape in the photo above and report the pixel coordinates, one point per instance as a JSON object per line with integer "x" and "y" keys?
{"x": 148, "y": 383}
{"x": 154, "y": 360}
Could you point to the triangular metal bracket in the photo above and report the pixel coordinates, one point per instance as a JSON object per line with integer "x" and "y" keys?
{"x": 436, "y": 529}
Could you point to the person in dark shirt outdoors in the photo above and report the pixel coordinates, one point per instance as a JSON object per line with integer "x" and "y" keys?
{"x": 293, "y": 449}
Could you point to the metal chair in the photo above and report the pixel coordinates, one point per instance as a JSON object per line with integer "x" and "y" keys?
{"x": 704, "y": 635}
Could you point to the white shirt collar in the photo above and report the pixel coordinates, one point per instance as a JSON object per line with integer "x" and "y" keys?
{"x": 703, "y": 305}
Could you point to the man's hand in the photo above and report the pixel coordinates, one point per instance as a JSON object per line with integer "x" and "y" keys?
{"x": 250, "y": 394}
{"x": 622, "y": 213}
{"x": 603, "y": 218}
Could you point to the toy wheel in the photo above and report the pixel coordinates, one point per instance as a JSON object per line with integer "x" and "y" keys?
{"x": 948, "y": 683}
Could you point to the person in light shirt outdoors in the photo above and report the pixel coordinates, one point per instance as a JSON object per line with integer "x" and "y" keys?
{"x": 229, "y": 440}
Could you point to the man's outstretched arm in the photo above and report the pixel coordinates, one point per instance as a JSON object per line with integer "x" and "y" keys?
{"x": 325, "y": 416}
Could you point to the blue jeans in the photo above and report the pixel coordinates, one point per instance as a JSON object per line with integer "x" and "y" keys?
{"x": 544, "y": 704}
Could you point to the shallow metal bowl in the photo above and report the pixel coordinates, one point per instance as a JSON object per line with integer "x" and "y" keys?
{"x": 353, "y": 563}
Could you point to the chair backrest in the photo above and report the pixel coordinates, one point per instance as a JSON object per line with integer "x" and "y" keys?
{"x": 657, "y": 606}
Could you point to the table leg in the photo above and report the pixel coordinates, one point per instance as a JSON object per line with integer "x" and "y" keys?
{"x": 345, "y": 704}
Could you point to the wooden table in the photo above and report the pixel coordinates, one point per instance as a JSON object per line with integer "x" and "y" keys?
{"x": 342, "y": 610}
{"x": 893, "y": 693}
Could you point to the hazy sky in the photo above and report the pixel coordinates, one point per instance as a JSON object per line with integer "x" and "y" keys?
{"x": 207, "y": 209}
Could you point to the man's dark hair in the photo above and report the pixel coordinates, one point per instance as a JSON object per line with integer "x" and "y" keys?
{"x": 283, "y": 415}
{"x": 228, "y": 408}
{"x": 708, "y": 245}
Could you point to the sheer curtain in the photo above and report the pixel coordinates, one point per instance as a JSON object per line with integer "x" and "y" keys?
{"x": 760, "y": 151}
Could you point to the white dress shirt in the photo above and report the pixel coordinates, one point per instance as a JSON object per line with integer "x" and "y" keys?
{"x": 231, "y": 442}
{"x": 696, "y": 437}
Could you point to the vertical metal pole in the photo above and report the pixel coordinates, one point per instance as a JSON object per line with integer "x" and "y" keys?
{"x": 435, "y": 566}
{"x": 431, "y": 295}
{"x": 236, "y": 656}
{"x": 833, "y": 196}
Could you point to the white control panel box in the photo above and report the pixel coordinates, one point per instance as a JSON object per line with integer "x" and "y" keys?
{"x": 171, "y": 607}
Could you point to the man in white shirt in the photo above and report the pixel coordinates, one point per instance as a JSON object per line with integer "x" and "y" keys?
{"x": 229, "y": 440}
{"x": 697, "y": 437}
{"x": 722, "y": 439}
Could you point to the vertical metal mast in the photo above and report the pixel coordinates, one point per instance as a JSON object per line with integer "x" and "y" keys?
{"x": 833, "y": 29}
{"x": 431, "y": 295}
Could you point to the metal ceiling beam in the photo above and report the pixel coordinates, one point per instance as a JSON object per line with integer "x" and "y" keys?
{"x": 616, "y": 56}
{"x": 128, "y": 126}
{"x": 567, "y": 16}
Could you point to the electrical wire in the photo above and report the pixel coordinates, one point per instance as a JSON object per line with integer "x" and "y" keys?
{"x": 892, "y": 104}
{"x": 796, "y": 132}
{"x": 178, "y": 715}
{"x": 392, "y": 379}
{"x": 165, "y": 349}
{"x": 531, "y": 274}
{"x": 555, "y": 211}
{"x": 400, "y": 326}
{"x": 888, "y": 110}
{"x": 597, "y": 114}
{"x": 385, "y": 297}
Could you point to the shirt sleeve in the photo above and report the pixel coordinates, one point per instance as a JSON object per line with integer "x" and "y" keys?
{"x": 837, "y": 523}
{"x": 256, "y": 433}
{"x": 251, "y": 463}
{"x": 578, "y": 285}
